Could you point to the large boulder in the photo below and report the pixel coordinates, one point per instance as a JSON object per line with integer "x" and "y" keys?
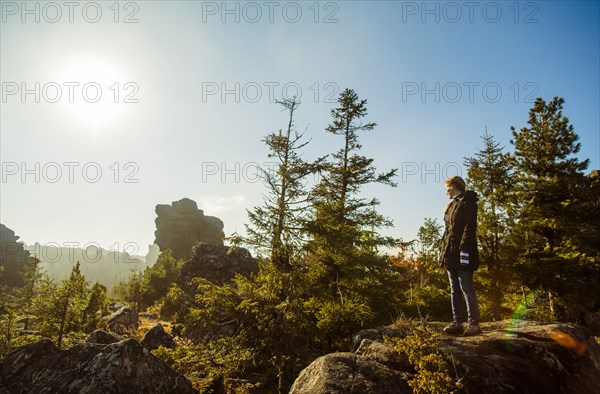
{"x": 26, "y": 358}
{"x": 510, "y": 356}
{"x": 349, "y": 373}
{"x": 123, "y": 321}
{"x": 103, "y": 337}
{"x": 157, "y": 336}
{"x": 181, "y": 225}
{"x": 216, "y": 263}
{"x": 121, "y": 367}
{"x": 528, "y": 357}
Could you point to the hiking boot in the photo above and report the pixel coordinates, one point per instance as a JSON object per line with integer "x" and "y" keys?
{"x": 472, "y": 329}
{"x": 454, "y": 328}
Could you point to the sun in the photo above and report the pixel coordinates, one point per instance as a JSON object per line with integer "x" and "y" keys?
{"x": 93, "y": 90}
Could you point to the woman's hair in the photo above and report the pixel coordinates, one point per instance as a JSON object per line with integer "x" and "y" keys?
{"x": 457, "y": 182}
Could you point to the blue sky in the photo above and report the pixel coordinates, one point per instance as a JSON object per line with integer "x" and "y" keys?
{"x": 187, "y": 91}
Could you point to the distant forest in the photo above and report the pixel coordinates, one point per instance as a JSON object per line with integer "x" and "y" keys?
{"x": 106, "y": 267}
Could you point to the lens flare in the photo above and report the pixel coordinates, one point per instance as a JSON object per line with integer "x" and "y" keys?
{"x": 569, "y": 342}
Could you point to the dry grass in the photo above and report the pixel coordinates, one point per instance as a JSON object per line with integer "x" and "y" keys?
{"x": 147, "y": 322}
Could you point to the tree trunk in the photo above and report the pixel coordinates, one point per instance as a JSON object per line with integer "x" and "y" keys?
{"x": 551, "y": 304}
{"x": 286, "y": 377}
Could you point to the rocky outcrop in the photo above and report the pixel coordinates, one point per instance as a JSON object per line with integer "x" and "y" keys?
{"x": 216, "y": 263}
{"x": 121, "y": 367}
{"x": 349, "y": 373}
{"x": 510, "y": 356}
{"x": 181, "y": 225}
{"x": 157, "y": 336}
{"x": 12, "y": 255}
{"x": 103, "y": 337}
{"x": 123, "y": 321}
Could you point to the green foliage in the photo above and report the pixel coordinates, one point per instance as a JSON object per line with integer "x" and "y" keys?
{"x": 548, "y": 175}
{"x": 213, "y": 310}
{"x": 64, "y": 311}
{"x": 344, "y": 263}
{"x": 144, "y": 289}
{"x": 96, "y": 307}
{"x": 59, "y": 308}
{"x": 343, "y": 225}
{"x": 8, "y": 331}
{"x": 16, "y": 302}
{"x": 339, "y": 320}
{"x": 276, "y": 226}
{"x": 221, "y": 357}
{"x": 174, "y": 303}
{"x": 131, "y": 290}
{"x": 21, "y": 340}
{"x": 491, "y": 175}
{"x": 158, "y": 279}
{"x": 424, "y": 286}
{"x": 258, "y": 325}
{"x": 422, "y": 349}
{"x": 554, "y": 255}
{"x": 429, "y": 301}
{"x": 301, "y": 302}
{"x": 427, "y": 267}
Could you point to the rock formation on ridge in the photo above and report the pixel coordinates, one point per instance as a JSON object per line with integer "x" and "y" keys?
{"x": 181, "y": 225}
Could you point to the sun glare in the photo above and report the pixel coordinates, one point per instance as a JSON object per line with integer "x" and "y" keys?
{"x": 93, "y": 90}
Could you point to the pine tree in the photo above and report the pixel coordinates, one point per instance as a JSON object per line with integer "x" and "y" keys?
{"x": 589, "y": 229}
{"x": 551, "y": 188}
{"x": 275, "y": 227}
{"x": 132, "y": 290}
{"x": 96, "y": 307}
{"x": 548, "y": 173}
{"x": 490, "y": 174}
{"x": 343, "y": 230}
{"x": 157, "y": 279}
{"x": 59, "y": 308}
{"x": 343, "y": 226}
{"x": 72, "y": 295}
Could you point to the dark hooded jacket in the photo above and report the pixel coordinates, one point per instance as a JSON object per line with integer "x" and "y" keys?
{"x": 461, "y": 232}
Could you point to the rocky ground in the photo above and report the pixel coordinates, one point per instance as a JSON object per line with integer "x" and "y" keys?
{"x": 104, "y": 364}
{"x": 508, "y": 357}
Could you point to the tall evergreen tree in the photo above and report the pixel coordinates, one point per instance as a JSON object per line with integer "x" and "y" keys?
{"x": 490, "y": 174}
{"x": 549, "y": 175}
{"x": 551, "y": 188}
{"x": 276, "y": 227}
{"x": 71, "y": 303}
{"x": 344, "y": 225}
{"x": 59, "y": 308}
{"x": 344, "y": 230}
{"x": 589, "y": 229}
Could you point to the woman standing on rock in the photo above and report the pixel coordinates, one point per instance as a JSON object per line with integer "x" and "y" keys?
{"x": 458, "y": 253}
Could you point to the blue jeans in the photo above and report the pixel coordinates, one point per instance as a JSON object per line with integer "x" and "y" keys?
{"x": 461, "y": 283}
